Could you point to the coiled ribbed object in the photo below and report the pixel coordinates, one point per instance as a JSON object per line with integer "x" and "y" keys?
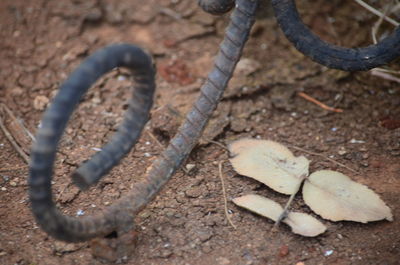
{"x": 332, "y": 56}
{"x": 119, "y": 216}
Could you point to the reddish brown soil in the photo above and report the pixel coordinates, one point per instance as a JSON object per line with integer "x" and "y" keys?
{"x": 41, "y": 42}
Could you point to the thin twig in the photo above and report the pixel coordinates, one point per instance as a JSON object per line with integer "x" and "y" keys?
{"x": 13, "y": 143}
{"x": 216, "y": 143}
{"x": 375, "y": 28}
{"x": 224, "y": 194}
{"x": 171, "y": 13}
{"x": 155, "y": 139}
{"x": 387, "y": 71}
{"x": 383, "y": 75}
{"x": 377, "y": 12}
{"x": 11, "y": 114}
{"x": 319, "y": 103}
{"x": 285, "y": 211}
{"x": 323, "y": 156}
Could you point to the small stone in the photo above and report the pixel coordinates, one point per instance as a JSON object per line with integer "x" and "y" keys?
{"x": 190, "y": 167}
{"x": 165, "y": 253}
{"x": 40, "y": 102}
{"x": 61, "y": 247}
{"x": 13, "y": 184}
{"x": 3, "y": 189}
{"x": 283, "y": 251}
{"x": 193, "y": 192}
{"x": 342, "y": 152}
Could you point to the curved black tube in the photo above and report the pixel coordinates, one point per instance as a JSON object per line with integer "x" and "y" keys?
{"x": 119, "y": 216}
{"x": 216, "y": 7}
{"x": 347, "y": 59}
{"x": 56, "y": 117}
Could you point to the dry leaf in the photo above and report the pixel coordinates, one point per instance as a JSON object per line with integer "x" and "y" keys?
{"x": 300, "y": 223}
{"x": 260, "y": 205}
{"x": 336, "y": 197}
{"x": 304, "y": 224}
{"x": 270, "y": 163}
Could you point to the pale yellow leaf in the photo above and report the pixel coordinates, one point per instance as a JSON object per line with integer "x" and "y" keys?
{"x": 336, "y": 197}
{"x": 260, "y": 205}
{"x": 300, "y": 223}
{"x": 304, "y": 224}
{"x": 270, "y": 163}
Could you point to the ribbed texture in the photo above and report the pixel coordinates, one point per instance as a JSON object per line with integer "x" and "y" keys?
{"x": 347, "y": 59}
{"x": 53, "y": 125}
{"x": 216, "y": 7}
{"x": 119, "y": 216}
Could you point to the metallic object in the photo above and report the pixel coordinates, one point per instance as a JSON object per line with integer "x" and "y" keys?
{"x": 119, "y": 216}
{"x": 347, "y": 59}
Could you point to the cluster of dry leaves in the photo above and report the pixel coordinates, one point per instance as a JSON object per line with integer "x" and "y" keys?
{"x": 330, "y": 194}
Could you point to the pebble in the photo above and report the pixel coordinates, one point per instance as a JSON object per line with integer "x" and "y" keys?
{"x": 61, "y": 247}
{"x": 342, "y": 152}
{"x": 194, "y": 192}
{"x": 13, "y": 184}
{"x": 190, "y": 167}
{"x": 3, "y": 189}
{"x": 40, "y": 102}
{"x": 283, "y": 251}
{"x": 354, "y": 141}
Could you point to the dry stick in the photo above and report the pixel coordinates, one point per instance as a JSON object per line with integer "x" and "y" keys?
{"x": 319, "y": 103}
{"x": 390, "y": 71}
{"x": 13, "y": 143}
{"x": 377, "y": 12}
{"x": 11, "y": 114}
{"x": 224, "y": 194}
{"x": 321, "y": 155}
{"x": 285, "y": 211}
{"x": 155, "y": 140}
{"x": 375, "y": 28}
{"x": 216, "y": 143}
{"x": 381, "y": 74}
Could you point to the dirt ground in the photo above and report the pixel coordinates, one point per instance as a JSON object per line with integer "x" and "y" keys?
{"x": 42, "y": 41}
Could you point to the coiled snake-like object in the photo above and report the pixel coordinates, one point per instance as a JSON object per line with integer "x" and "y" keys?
{"x": 119, "y": 216}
